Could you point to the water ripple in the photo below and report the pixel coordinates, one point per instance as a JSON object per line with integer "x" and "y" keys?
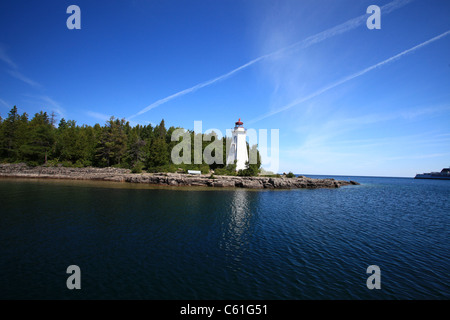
{"x": 165, "y": 244}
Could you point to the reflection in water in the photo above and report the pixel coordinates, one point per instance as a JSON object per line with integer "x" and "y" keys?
{"x": 240, "y": 215}
{"x": 237, "y": 227}
{"x": 228, "y": 245}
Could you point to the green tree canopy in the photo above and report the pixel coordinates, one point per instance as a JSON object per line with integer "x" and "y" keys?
{"x": 116, "y": 143}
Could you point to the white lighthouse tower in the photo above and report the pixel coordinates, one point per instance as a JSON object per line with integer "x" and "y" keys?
{"x": 238, "y": 147}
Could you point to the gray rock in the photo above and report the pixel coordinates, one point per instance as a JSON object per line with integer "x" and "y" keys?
{"x": 169, "y": 179}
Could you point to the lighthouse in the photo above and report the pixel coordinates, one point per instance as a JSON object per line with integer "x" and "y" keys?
{"x": 238, "y": 147}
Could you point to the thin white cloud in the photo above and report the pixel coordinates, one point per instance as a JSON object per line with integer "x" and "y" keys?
{"x": 46, "y": 103}
{"x": 140, "y": 122}
{"x": 54, "y": 106}
{"x": 4, "y": 103}
{"x": 324, "y": 135}
{"x": 196, "y": 87}
{"x": 418, "y": 112}
{"x": 14, "y": 69}
{"x": 345, "y": 124}
{"x": 416, "y": 140}
{"x": 444, "y": 135}
{"x": 16, "y": 74}
{"x": 332, "y": 139}
{"x": 319, "y": 37}
{"x": 348, "y": 78}
{"x": 105, "y": 118}
{"x": 418, "y": 156}
{"x": 98, "y": 115}
{"x": 363, "y": 154}
{"x": 5, "y": 58}
{"x": 339, "y": 29}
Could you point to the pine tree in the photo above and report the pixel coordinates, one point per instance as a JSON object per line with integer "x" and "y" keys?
{"x": 40, "y": 139}
{"x": 13, "y": 134}
{"x": 69, "y": 143}
{"x": 158, "y": 154}
{"x": 135, "y": 153}
{"x": 62, "y": 124}
{"x": 162, "y": 130}
{"x": 113, "y": 143}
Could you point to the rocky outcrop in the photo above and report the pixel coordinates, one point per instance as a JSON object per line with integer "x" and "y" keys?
{"x": 167, "y": 179}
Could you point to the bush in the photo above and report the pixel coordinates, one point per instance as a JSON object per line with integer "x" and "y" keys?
{"x": 122, "y": 165}
{"x": 166, "y": 168}
{"x": 32, "y": 163}
{"x": 87, "y": 163}
{"x": 137, "y": 168}
{"x": 79, "y": 164}
{"x": 250, "y": 171}
{"x": 204, "y": 168}
{"x": 290, "y": 175}
{"x": 244, "y": 173}
{"x": 52, "y": 163}
{"x": 67, "y": 164}
{"x": 229, "y": 170}
{"x": 221, "y": 171}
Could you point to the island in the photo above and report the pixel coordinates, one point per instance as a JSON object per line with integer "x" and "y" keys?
{"x": 22, "y": 170}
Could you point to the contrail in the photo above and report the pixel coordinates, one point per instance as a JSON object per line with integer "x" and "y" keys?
{"x": 351, "y": 77}
{"x": 339, "y": 29}
{"x": 5, "y": 58}
{"x": 195, "y": 88}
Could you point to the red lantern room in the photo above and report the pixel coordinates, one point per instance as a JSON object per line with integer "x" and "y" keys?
{"x": 239, "y": 123}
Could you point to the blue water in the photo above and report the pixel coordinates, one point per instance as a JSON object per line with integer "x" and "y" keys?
{"x": 134, "y": 242}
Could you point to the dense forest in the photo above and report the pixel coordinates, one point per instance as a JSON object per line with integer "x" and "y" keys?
{"x": 40, "y": 142}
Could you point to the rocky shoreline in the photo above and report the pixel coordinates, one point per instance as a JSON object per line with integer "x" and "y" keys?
{"x": 167, "y": 179}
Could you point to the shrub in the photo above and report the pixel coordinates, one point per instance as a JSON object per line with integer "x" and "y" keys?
{"x": 122, "y": 165}
{"x": 290, "y": 175}
{"x": 204, "y": 168}
{"x": 137, "y": 168}
{"x": 52, "y": 163}
{"x": 32, "y": 163}
{"x": 250, "y": 171}
{"x": 229, "y": 170}
{"x": 79, "y": 164}
{"x": 67, "y": 164}
{"x": 87, "y": 163}
{"x": 166, "y": 168}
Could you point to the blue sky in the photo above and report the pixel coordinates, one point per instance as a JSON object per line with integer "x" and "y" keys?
{"x": 346, "y": 100}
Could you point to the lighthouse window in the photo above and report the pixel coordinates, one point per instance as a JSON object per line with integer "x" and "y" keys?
{"x": 235, "y": 140}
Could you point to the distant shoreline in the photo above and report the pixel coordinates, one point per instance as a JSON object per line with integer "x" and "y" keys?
{"x": 21, "y": 170}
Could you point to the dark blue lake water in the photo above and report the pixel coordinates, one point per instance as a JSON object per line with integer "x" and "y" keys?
{"x": 150, "y": 243}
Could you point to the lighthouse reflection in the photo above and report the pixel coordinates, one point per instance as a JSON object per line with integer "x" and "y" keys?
{"x": 239, "y": 218}
{"x": 237, "y": 230}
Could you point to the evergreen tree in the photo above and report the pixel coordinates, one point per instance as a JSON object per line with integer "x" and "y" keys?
{"x": 113, "y": 143}
{"x": 254, "y": 164}
{"x": 158, "y": 154}
{"x": 146, "y": 133}
{"x": 135, "y": 153}
{"x": 13, "y": 134}
{"x": 40, "y": 139}
{"x": 161, "y": 130}
{"x": 9, "y": 135}
{"x": 72, "y": 143}
{"x": 62, "y": 124}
